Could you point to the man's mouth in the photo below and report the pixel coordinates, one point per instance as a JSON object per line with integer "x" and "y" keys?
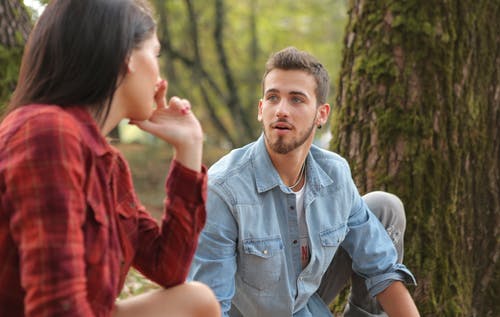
{"x": 281, "y": 126}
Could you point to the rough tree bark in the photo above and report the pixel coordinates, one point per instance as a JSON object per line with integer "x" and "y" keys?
{"x": 15, "y": 25}
{"x": 419, "y": 115}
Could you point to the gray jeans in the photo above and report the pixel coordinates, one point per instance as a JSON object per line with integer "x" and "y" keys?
{"x": 389, "y": 209}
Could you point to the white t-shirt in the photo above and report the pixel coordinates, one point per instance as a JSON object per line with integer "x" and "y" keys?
{"x": 303, "y": 233}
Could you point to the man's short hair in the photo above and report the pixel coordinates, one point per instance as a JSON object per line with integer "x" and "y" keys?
{"x": 291, "y": 58}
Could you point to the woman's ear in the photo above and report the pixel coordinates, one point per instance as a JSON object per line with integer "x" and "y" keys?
{"x": 130, "y": 64}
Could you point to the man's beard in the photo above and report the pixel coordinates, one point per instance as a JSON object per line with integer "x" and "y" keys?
{"x": 281, "y": 147}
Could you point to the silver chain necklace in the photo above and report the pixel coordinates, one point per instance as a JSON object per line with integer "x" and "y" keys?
{"x": 301, "y": 175}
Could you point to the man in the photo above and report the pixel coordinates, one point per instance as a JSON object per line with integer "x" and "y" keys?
{"x": 286, "y": 225}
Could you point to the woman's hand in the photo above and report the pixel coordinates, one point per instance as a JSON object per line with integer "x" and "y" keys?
{"x": 176, "y": 124}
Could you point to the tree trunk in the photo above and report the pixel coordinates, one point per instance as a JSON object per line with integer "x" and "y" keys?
{"x": 234, "y": 100}
{"x": 15, "y": 25}
{"x": 419, "y": 116}
{"x": 201, "y": 77}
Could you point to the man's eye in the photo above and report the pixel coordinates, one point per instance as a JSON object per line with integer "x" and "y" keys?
{"x": 272, "y": 98}
{"x": 296, "y": 100}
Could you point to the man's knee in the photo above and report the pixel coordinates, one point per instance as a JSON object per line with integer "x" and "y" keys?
{"x": 389, "y": 209}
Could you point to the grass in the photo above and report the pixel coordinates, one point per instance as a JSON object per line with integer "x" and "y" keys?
{"x": 136, "y": 284}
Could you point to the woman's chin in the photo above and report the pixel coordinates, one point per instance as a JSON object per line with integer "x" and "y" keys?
{"x": 141, "y": 116}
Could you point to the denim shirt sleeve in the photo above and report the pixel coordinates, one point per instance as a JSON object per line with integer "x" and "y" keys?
{"x": 216, "y": 251}
{"x": 373, "y": 253}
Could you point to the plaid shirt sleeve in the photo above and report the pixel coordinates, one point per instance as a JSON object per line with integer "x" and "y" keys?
{"x": 164, "y": 254}
{"x": 45, "y": 177}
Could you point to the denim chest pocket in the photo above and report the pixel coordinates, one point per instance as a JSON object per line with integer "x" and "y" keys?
{"x": 333, "y": 237}
{"x": 330, "y": 241}
{"x": 260, "y": 262}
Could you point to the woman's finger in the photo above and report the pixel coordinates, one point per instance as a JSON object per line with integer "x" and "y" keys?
{"x": 186, "y": 106}
{"x": 177, "y": 104}
{"x": 161, "y": 93}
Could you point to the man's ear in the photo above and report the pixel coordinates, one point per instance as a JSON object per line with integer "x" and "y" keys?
{"x": 259, "y": 113}
{"x": 323, "y": 113}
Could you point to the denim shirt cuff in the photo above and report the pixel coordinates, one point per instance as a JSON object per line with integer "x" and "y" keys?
{"x": 377, "y": 284}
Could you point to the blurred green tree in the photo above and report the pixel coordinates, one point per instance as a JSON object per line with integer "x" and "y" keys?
{"x": 215, "y": 53}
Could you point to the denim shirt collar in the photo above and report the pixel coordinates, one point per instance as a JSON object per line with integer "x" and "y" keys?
{"x": 266, "y": 176}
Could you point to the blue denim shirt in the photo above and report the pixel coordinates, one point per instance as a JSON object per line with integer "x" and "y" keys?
{"x": 248, "y": 251}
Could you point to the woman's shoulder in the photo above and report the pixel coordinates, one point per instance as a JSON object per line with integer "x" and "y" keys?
{"x": 40, "y": 122}
{"x": 38, "y": 115}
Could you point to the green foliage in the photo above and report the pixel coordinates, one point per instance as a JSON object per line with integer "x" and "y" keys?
{"x": 9, "y": 68}
{"x": 227, "y": 78}
{"x": 11, "y": 48}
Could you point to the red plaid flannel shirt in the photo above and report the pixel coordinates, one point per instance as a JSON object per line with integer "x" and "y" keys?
{"x": 70, "y": 223}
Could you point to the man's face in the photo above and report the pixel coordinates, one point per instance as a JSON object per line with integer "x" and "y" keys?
{"x": 288, "y": 110}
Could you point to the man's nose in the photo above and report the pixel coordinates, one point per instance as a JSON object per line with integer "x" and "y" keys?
{"x": 282, "y": 108}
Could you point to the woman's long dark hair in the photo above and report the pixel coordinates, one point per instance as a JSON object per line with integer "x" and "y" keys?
{"x": 77, "y": 52}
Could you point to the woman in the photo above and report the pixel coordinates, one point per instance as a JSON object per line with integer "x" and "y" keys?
{"x": 71, "y": 225}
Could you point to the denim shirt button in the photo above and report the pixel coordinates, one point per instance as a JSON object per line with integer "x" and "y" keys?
{"x": 265, "y": 251}
{"x": 292, "y": 207}
{"x": 295, "y": 241}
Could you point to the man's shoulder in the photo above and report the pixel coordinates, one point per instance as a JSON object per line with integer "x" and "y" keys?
{"x": 236, "y": 162}
{"x": 328, "y": 159}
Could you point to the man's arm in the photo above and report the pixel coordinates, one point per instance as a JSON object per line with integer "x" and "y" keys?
{"x": 215, "y": 259}
{"x": 376, "y": 260}
{"x": 396, "y": 301}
